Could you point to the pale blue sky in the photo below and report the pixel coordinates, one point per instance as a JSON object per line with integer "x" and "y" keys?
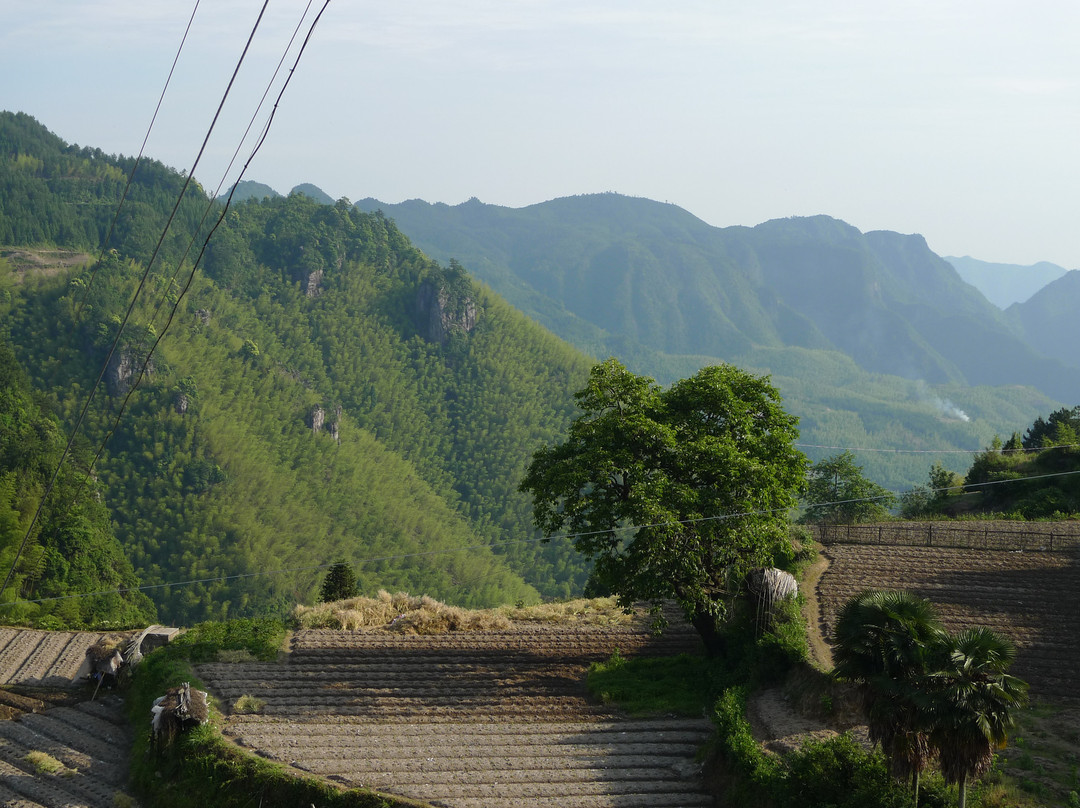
{"x": 957, "y": 120}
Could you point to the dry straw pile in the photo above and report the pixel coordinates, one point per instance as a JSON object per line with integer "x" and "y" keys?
{"x": 408, "y": 614}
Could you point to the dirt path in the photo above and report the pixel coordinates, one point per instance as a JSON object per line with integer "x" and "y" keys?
{"x": 820, "y": 652}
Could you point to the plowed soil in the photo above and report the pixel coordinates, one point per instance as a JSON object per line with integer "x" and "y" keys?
{"x": 1030, "y": 597}
{"x": 469, "y": 719}
{"x": 92, "y": 743}
{"x": 44, "y": 658}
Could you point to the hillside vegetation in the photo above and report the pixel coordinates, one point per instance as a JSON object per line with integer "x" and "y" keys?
{"x": 325, "y": 392}
{"x": 873, "y": 340}
{"x": 72, "y": 549}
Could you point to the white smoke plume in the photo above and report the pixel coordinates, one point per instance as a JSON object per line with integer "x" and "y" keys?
{"x": 944, "y": 406}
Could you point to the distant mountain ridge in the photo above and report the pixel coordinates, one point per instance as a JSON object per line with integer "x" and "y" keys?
{"x": 653, "y": 275}
{"x": 1005, "y": 284}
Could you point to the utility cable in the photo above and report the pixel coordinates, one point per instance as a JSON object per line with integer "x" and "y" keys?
{"x": 206, "y": 212}
{"x": 489, "y": 545}
{"x": 933, "y": 451}
{"x": 212, "y": 201}
{"x": 202, "y": 251}
{"x": 134, "y": 168}
{"x": 127, "y": 315}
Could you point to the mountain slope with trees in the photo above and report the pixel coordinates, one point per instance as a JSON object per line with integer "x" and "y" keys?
{"x": 325, "y": 392}
{"x": 71, "y": 550}
{"x": 872, "y": 339}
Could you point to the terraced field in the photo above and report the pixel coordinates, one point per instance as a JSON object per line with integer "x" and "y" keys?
{"x": 1030, "y": 597}
{"x": 473, "y": 719}
{"x": 89, "y": 741}
{"x": 44, "y": 658}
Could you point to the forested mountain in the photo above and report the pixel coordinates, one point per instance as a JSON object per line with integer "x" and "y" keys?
{"x": 1049, "y": 321}
{"x": 658, "y": 276}
{"x": 873, "y": 340}
{"x": 325, "y": 391}
{"x": 72, "y": 549}
{"x": 1005, "y": 284}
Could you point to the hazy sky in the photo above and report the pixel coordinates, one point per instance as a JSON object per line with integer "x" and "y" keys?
{"x": 956, "y": 120}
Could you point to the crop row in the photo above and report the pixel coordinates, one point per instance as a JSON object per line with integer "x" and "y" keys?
{"x": 89, "y": 742}
{"x": 496, "y": 719}
{"x": 43, "y": 658}
{"x": 1028, "y": 597}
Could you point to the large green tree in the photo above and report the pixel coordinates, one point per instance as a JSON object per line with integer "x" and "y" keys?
{"x": 673, "y": 493}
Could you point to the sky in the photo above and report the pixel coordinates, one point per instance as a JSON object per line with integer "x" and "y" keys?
{"x": 956, "y": 120}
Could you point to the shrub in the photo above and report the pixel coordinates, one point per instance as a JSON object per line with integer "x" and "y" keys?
{"x": 839, "y": 773}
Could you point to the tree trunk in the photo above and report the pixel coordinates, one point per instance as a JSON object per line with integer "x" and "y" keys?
{"x": 962, "y": 785}
{"x": 710, "y": 635}
{"x": 915, "y": 786}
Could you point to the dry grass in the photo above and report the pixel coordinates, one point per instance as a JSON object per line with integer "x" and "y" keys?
{"x": 590, "y": 611}
{"x": 408, "y": 614}
{"x": 248, "y": 705}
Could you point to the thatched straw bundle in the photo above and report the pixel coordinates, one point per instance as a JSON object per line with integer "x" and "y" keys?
{"x": 106, "y": 655}
{"x": 771, "y": 586}
{"x": 424, "y": 615}
{"x": 401, "y": 612}
{"x": 180, "y": 708}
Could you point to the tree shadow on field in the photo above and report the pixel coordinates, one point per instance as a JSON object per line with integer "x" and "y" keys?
{"x": 1032, "y": 601}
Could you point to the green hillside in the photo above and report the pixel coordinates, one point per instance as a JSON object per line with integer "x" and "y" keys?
{"x": 432, "y": 392}
{"x": 72, "y": 549}
{"x": 873, "y": 340}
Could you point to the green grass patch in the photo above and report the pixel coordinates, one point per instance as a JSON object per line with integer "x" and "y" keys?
{"x": 262, "y": 638}
{"x": 668, "y": 685}
{"x": 44, "y": 763}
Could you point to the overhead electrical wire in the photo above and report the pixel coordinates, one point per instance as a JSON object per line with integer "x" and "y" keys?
{"x": 489, "y": 545}
{"x": 931, "y": 451}
{"x": 127, "y": 314}
{"x": 206, "y": 212}
{"x": 212, "y": 200}
{"x": 135, "y": 167}
{"x": 206, "y": 241}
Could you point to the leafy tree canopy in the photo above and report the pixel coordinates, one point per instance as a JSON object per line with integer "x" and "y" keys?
{"x": 1061, "y": 428}
{"x": 838, "y": 493}
{"x": 673, "y": 493}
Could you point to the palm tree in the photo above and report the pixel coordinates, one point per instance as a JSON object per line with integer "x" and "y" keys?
{"x": 972, "y": 700}
{"x": 884, "y": 642}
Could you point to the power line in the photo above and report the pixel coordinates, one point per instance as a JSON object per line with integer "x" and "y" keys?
{"x": 127, "y": 314}
{"x": 206, "y": 211}
{"x": 489, "y": 545}
{"x": 224, "y": 176}
{"x": 134, "y": 168}
{"x": 932, "y": 451}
